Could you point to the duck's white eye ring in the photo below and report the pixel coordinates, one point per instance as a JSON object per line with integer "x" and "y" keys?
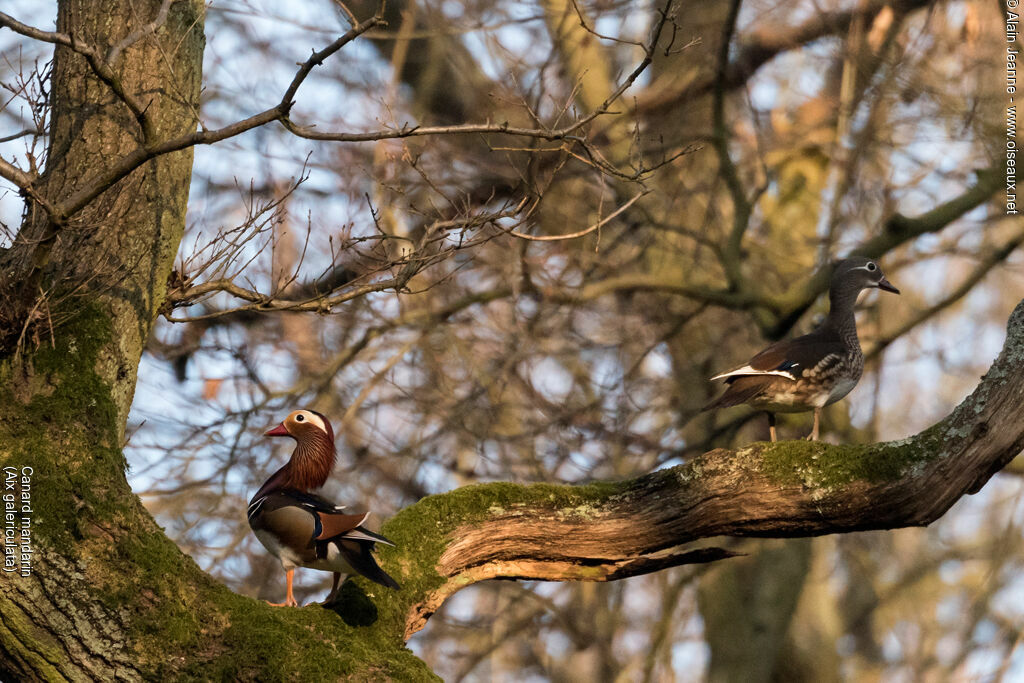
{"x": 300, "y": 418}
{"x": 871, "y": 267}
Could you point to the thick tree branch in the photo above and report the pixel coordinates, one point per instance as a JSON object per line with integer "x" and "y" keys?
{"x": 103, "y": 180}
{"x": 759, "y": 48}
{"x": 771, "y": 490}
{"x": 557, "y": 570}
{"x": 567, "y": 132}
{"x": 900, "y": 229}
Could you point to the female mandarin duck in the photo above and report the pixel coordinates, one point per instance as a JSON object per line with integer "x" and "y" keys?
{"x": 302, "y": 529}
{"x": 815, "y": 370}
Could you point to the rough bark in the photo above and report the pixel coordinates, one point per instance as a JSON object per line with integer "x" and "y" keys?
{"x": 116, "y": 253}
{"x": 100, "y": 276}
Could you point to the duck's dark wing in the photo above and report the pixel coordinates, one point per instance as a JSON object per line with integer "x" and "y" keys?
{"x": 308, "y": 525}
{"x": 742, "y": 388}
{"x": 781, "y": 363}
{"x": 791, "y": 359}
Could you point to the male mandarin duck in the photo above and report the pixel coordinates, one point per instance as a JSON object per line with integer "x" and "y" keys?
{"x": 303, "y": 529}
{"x": 815, "y": 370}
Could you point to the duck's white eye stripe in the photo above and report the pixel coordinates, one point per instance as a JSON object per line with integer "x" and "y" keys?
{"x": 305, "y": 416}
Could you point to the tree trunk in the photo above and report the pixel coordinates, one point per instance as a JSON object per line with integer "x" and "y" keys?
{"x": 100, "y": 278}
{"x": 747, "y": 606}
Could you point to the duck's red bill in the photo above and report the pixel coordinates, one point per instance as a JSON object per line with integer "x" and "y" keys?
{"x": 279, "y": 430}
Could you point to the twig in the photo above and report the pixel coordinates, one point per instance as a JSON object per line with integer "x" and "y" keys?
{"x": 977, "y": 275}
{"x": 563, "y": 133}
{"x": 757, "y": 50}
{"x": 21, "y": 134}
{"x": 103, "y": 180}
{"x": 581, "y": 233}
{"x": 99, "y": 65}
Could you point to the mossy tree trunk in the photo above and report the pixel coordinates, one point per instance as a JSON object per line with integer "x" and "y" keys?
{"x": 109, "y": 596}
{"x": 86, "y": 288}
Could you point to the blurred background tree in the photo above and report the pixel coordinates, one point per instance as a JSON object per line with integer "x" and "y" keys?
{"x": 763, "y": 139}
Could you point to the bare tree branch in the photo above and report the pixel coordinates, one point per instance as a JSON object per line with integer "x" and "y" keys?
{"x": 585, "y": 231}
{"x": 20, "y": 134}
{"x": 99, "y": 65}
{"x": 994, "y": 259}
{"x": 898, "y": 230}
{"x": 564, "y": 133}
{"x": 554, "y": 569}
{"x": 103, "y": 180}
{"x": 741, "y": 206}
{"x": 788, "y": 489}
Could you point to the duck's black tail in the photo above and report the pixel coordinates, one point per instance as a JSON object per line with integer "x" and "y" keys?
{"x": 358, "y": 552}
{"x": 740, "y": 390}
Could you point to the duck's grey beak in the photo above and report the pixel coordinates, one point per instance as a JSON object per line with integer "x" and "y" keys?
{"x": 887, "y": 286}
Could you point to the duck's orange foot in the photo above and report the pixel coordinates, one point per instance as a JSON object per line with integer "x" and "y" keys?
{"x": 290, "y": 602}
{"x": 289, "y": 599}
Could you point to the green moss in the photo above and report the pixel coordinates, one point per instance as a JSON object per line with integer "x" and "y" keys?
{"x": 472, "y": 503}
{"x": 159, "y": 584}
{"x": 265, "y": 643}
{"x": 79, "y": 395}
{"x": 422, "y": 531}
{"x": 822, "y": 466}
{"x": 65, "y": 430}
{"x": 187, "y": 627}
